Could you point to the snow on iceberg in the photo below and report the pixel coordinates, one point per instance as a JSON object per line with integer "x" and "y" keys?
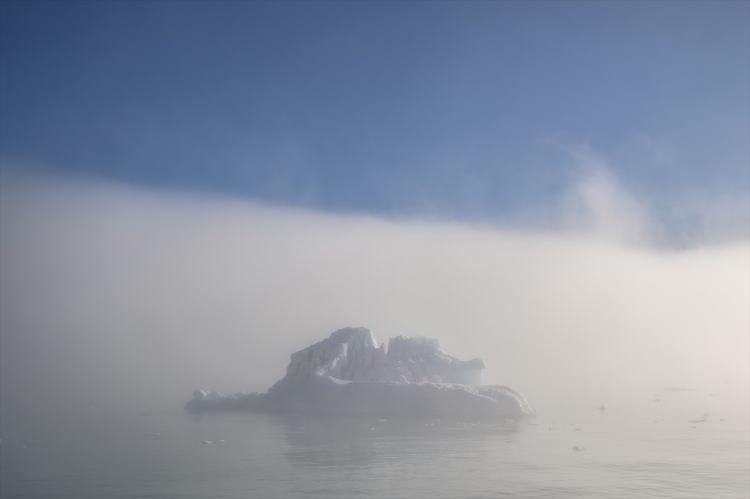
{"x": 348, "y": 373}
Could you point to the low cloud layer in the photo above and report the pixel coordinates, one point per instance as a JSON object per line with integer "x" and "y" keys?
{"x": 112, "y": 294}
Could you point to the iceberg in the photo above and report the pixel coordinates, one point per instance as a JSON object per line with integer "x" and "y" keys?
{"x": 349, "y": 373}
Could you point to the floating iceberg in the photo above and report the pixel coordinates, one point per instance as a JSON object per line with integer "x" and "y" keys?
{"x": 348, "y": 373}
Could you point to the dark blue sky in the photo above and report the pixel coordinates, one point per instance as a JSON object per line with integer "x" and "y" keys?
{"x": 459, "y": 109}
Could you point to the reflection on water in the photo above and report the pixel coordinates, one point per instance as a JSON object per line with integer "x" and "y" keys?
{"x": 317, "y": 441}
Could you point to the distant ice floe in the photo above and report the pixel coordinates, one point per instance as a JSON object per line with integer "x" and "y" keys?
{"x": 348, "y": 373}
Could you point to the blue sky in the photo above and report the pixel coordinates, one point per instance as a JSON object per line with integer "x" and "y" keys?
{"x": 466, "y": 110}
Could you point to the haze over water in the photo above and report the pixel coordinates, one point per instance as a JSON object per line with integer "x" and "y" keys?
{"x": 192, "y": 191}
{"x": 117, "y": 303}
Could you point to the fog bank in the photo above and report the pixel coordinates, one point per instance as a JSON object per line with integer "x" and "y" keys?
{"x": 126, "y": 297}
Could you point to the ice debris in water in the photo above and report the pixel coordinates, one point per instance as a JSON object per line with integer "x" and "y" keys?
{"x": 349, "y": 373}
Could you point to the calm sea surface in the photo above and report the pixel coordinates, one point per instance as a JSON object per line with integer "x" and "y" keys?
{"x": 667, "y": 443}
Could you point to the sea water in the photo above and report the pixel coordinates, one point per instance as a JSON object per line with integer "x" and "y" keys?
{"x": 662, "y": 443}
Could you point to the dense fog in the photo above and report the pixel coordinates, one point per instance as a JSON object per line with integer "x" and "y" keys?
{"x": 120, "y": 297}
